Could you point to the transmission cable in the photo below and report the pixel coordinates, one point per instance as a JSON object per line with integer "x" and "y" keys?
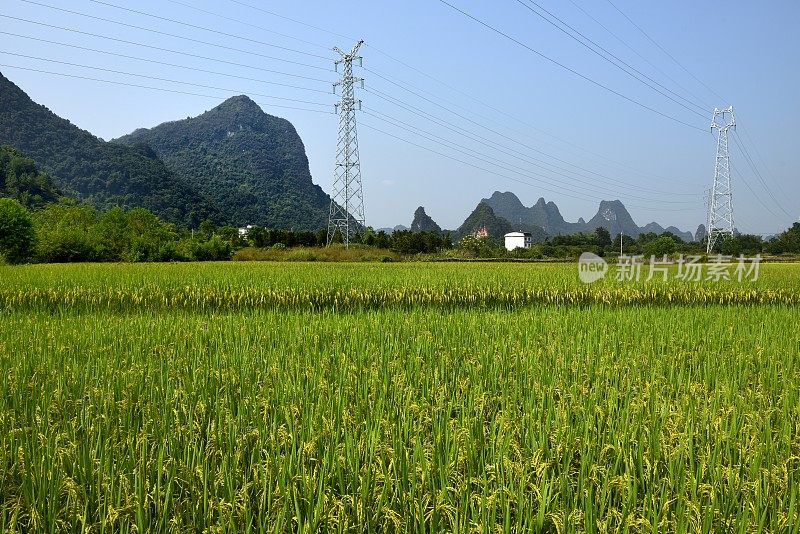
{"x": 211, "y": 30}
{"x": 493, "y": 173}
{"x": 453, "y": 89}
{"x": 176, "y": 65}
{"x": 156, "y": 78}
{"x": 518, "y": 155}
{"x": 514, "y": 140}
{"x": 569, "y": 69}
{"x": 665, "y": 51}
{"x": 190, "y": 39}
{"x": 162, "y": 89}
{"x": 478, "y": 138}
{"x": 617, "y": 62}
{"x": 162, "y": 49}
{"x": 503, "y": 164}
{"x": 642, "y": 57}
{"x": 250, "y": 24}
{"x": 756, "y": 172}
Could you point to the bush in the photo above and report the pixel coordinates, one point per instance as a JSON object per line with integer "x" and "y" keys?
{"x": 660, "y": 246}
{"x": 16, "y": 231}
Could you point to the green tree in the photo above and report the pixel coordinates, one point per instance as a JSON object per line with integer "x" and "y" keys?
{"x": 112, "y": 235}
{"x": 64, "y": 233}
{"x": 16, "y": 231}
{"x": 731, "y": 246}
{"x": 786, "y": 242}
{"x": 603, "y": 237}
{"x": 660, "y": 246}
{"x": 207, "y": 229}
{"x": 151, "y": 237}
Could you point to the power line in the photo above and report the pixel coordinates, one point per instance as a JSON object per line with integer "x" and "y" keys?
{"x": 284, "y": 17}
{"x": 502, "y": 164}
{"x": 698, "y": 80}
{"x": 269, "y": 13}
{"x": 162, "y": 49}
{"x": 752, "y": 192}
{"x": 613, "y": 59}
{"x": 755, "y": 170}
{"x": 210, "y": 30}
{"x": 569, "y": 69}
{"x": 166, "y": 34}
{"x": 764, "y": 164}
{"x": 250, "y": 24}
{"x": 451, "y": 88}
{"x": 442, "y": 154}
{"x": 470, "y": 135}
{"x": 405, "y": 85}
{"x": 518, "y": 155}
{"x": 156, "y": 78}
{"x": 484, "y": 169}
{"x": 149, "y": 87}
{"x": 176, "y": 65}
{"x": 334, "y": 33}
{"x": 706, "y": 105}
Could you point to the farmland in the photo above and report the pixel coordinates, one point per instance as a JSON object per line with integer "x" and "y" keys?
{"x": 409, "y": 397}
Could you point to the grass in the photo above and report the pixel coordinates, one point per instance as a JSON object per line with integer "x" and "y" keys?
{"x": 441, "y": 415}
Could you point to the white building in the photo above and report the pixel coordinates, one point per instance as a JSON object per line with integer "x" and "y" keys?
{"x": 518, "y": 240}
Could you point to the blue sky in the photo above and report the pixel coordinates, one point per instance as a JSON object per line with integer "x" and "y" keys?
{"x": 513, "y": 120}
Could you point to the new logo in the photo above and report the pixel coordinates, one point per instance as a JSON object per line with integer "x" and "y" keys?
{"x": 591, "y": 268}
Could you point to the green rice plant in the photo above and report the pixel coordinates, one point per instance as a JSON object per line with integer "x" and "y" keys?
{"x": 410, "y": 402}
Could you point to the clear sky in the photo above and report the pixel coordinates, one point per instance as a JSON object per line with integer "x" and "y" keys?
{"x": 490, "y": 113}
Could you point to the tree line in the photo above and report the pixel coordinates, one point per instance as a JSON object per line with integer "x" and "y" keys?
{"x": 66, "y": 231}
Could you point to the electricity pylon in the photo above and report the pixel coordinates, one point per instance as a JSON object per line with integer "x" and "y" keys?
{"x": 347, "y": 201}
{"x": 720, "y": 206}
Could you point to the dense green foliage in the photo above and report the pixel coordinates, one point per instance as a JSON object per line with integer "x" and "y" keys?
{"x": 786, "y": 242}
{"x": 103, "y": 174}
{"x": 16, "y": 232}
{"x": 21, "y": 180}
{"x": 252, "y": 165}
{"x": 527, "y": 417}
{"x": 647, "y": 244}
{"x": 69, "y": 232}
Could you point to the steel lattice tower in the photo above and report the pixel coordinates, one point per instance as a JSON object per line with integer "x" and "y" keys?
{"x": 347, "y": 200}
{"x": 720, "y": 206}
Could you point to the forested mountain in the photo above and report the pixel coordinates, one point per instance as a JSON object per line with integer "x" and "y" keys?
{"x": 424, "y": 223}
{"x": 483, "y": 216}
{"x": 84, "y": 166}
{"x": 251, "y": 164}
{"x": 21, "y": 180}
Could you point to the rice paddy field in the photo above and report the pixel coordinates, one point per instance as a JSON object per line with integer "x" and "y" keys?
{"x": 413, "y": 397}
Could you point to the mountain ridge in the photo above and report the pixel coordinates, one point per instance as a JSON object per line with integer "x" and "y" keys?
{"x": 252, "y": 164}
{"x": 611, "y": 214}
{"x": 84, "y": 166}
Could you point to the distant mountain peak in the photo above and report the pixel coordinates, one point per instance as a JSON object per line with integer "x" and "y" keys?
{"x": 611, "y": 214}
{"x": 240, "y": 103}
{"x": 423, "y": 222}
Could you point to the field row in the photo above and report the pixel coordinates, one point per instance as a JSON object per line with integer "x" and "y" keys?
{"x": 241, "y": 287}
{"x": 674, "y": 419}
